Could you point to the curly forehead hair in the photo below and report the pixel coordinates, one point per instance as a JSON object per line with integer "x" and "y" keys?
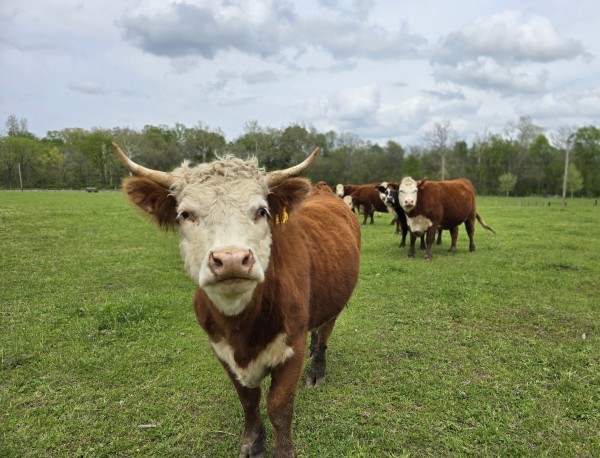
{"x": 228, "y": 167}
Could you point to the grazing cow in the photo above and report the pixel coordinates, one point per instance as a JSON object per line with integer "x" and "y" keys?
{"x": 388, "y": 192}
{"x": 364, "y": 197}
{"x": 268, "y": 269}
{"x": 433, "y": 205}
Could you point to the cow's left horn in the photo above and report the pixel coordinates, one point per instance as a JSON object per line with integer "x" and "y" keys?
{"x": 277, "y": 176}
{"x": 162, "y": 178}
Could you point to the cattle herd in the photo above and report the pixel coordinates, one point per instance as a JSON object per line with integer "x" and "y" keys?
{"x": 270, "y": 270}
{"x": 420, "y": 208}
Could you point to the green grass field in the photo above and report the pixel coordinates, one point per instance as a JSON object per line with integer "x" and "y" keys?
{"x": 492, "y": 353}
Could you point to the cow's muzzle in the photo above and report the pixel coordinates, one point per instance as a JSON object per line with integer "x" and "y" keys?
{"x": 231, "y": 264}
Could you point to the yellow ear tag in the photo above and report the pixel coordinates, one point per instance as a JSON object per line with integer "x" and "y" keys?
{"x": 285, "y": 217}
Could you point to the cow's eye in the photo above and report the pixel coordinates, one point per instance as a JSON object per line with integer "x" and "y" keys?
{"x": 184, "y": 215}
{"x": 262, "y": 212}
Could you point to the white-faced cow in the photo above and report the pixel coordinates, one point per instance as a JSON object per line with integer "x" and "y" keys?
{"x": 433, "y": 205}
{"x": 388, "y": 192}
{"x": 365, "y": 199}
{"x": 268, "y": 269}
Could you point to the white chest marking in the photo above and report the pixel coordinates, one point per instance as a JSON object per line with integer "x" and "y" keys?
{"x": 419, "y": 224}
{"x": 250, "y": 376}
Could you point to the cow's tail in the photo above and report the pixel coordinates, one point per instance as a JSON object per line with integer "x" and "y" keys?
{"x": 482, "y": 222}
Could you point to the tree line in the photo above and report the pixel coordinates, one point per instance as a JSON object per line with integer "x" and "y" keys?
{"x": 521, "y": 160}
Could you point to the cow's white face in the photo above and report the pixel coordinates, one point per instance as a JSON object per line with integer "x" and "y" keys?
{"x": 339, "y": 190}
{"x": 225, "y": 240}
{"x": 348, "y": 201}
{"x": 407, "y": 194}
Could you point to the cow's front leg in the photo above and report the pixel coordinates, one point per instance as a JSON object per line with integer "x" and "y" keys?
{"x": 429, "y": 240}
{"x": 280, "y": 401}
{"x": 253, "y": 443}
{"x": 411, "y": 248}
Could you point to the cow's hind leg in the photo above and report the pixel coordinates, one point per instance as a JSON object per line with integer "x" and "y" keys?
{"x": 316, "y": 371}
{"x": 470, "y": 227}
{"x": 454, "y": 238}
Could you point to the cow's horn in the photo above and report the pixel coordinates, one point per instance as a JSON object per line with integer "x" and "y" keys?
{"x": 162, "y": 178}
{"x": 277, "y": 176}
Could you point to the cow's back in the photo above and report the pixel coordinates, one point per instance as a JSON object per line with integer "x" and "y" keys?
{"x": 459, "y": 200}
{"x": 332, "y": 236}
{"x": 368, "y": 195}
{"x": 448, "y": 203}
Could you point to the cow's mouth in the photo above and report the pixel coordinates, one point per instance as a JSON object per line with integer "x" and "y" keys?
{"x": 233, "y": 281}
{"x": 232, "y": 285}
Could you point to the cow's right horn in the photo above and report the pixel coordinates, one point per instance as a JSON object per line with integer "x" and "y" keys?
{"x": 162, "y": 178}
{"x": 277, "y": 176}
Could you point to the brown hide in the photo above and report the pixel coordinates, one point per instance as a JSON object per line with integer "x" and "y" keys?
{"x": 367, "y": 198}
{"x": 447, "y": 204}
{"x": 312, "y": 273}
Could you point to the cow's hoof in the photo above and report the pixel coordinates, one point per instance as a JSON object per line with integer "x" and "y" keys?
{"x": 252, "y": 451}
{"x": 254, "y": 446}
{"x": 313, "y": 382}
{"x": 452, "y": 250}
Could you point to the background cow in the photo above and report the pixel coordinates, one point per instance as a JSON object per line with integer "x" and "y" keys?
{"x": 365, "y": 199}
{"x": 268, "y": 268}
{"x": 388, "y": 192}
{"x": 433, "y": 205}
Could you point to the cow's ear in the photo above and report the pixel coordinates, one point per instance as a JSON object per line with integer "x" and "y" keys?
{"x": 421, "y": 182}
{"x": 154, "y": 200}
{"x": 380, "y": 188}
{"x": 284, "y": 197}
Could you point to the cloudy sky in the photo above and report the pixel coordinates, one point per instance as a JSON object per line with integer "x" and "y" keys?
{"x": 381, "y": 69}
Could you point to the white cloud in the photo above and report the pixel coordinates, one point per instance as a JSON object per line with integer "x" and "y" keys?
{"x": 87, "y": 87}
{"x": 380, "y": 69}
{"x": 507, "y": 37}
{"x": 263, "y": 28}
{"x": 486, "y": 74}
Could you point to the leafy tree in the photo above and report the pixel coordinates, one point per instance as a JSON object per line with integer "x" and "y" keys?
{"x": 412, "y": 167}
{"x": 50, "y": 166}
{"x": 574, "y": 180}
{"x": 586, "y": 156}
{"x": 458, "y": 159}
{"x": 507, "y": 183}
{"x": 202, "y": 144}
{"x": 522, "y": 134}
{"x": 542, "y": 173}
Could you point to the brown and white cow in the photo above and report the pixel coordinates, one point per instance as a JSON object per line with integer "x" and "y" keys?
{"x": 388, "y": 192}
{"x": 268, "y": 269}
{"x": 433, "y": 205}
{"x": 365, "y": 198}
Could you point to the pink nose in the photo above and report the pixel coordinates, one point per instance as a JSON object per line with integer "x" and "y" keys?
{"x": 230, "y": 263}
{"x": 409, "y": 202}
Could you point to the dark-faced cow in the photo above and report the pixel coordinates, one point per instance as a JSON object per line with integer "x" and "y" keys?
{"x": 268, "y": 269}
{"x": 388, "y": 192}
{"x": 365, "y": 199}
{"x": 433, "y": 205}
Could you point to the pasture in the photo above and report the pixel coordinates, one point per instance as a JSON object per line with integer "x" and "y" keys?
{"x": 492, "y": 353}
